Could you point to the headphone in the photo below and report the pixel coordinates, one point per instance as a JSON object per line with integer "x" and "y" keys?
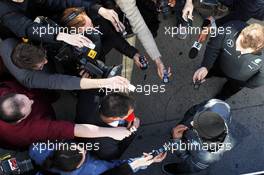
{"x": 73, "y": 15}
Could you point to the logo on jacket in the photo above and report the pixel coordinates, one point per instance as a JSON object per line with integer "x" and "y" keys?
{"x": 230, "y": 43}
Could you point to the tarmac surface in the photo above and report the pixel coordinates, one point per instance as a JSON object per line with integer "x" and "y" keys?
{"x": 159, "y": 112}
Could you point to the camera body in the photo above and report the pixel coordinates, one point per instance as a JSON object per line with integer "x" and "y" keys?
{"x": 86, "y": 58}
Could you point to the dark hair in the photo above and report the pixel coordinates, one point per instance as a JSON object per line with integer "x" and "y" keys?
{"x": 78, "y": 21}
{"x": 26, "y": 56}
{"x": 64, "y": 160}
{"x": 16, "y": 106}
{"x": 116, "y": 105}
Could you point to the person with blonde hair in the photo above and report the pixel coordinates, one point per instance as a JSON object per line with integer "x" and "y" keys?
{"x": 236, "y": 54}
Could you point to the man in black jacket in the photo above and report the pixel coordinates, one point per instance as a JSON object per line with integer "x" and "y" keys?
{"x": 202, "y": 138}
{"x": 115, "y": 110}
{"x": 237, "y": 55}
{"x": 17, "y": 18}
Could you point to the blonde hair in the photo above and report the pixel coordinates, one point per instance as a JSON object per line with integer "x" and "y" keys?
{"x": 253, "y": 37}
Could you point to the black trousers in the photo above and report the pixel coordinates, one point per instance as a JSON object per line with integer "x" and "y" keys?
{"x": 230, "y": 88}
{"x": 178, "y": 12}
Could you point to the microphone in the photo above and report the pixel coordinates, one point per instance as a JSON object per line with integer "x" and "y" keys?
{"x": 208, "y": 22}
{"x": 195, "y": 49}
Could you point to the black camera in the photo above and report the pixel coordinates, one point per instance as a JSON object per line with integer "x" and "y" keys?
{"x": 164, "y": 8}
{"x": 86, "y": 58}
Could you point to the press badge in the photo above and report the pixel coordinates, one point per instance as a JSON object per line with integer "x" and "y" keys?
{"x": 92, "y": 54}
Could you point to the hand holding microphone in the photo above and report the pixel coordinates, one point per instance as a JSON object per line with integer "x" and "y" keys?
{"x": 207, "y": 24}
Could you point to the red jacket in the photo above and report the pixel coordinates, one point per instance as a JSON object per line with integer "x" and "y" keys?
{"x": 39, "y": 126}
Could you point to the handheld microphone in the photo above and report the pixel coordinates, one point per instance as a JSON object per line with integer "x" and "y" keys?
{"x": 208, "y": 22}
{"x": 195, "y": 49}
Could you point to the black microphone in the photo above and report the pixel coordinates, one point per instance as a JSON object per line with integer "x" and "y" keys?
{"x": 198, "y": 44}
{"x": 195, "y": 49}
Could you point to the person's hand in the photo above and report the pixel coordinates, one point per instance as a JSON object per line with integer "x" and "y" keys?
{"x": 136, "y": 60}
{"x": 161, "y": 67}
{"x": 172, "y": 3}
{"x": 147, "y": 160}
{"x": 136, "y": 123}
{"x": 200, "y": 74}
{"x": 178, "y": 131}
{"x": 77, "y": 40}
{"x": 84, "y": 74}
{"x": 112, "y": 16}
{"x": 204, "y": 34}
{"x": 144, "y": 161}
{"x": 18, "y": 1}
{"x": 159, "y": 158}
{"x": 187, "y": 11}
{"x": 116, "y": 82}
{"x": 120, "y": 133}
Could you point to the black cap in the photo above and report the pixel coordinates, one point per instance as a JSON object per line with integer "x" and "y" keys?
{"x": 209, "y": 125}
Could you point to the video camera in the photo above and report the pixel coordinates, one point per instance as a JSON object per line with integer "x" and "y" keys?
{"x": 10, "y": 166}
{"x": 86, "y": 58}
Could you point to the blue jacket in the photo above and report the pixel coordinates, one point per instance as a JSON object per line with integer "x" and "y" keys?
{"x": 91, "y": 166}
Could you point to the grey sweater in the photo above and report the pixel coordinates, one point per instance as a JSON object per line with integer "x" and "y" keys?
{"x": 36, "y": 79}
{"x": 139, "y": 27}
